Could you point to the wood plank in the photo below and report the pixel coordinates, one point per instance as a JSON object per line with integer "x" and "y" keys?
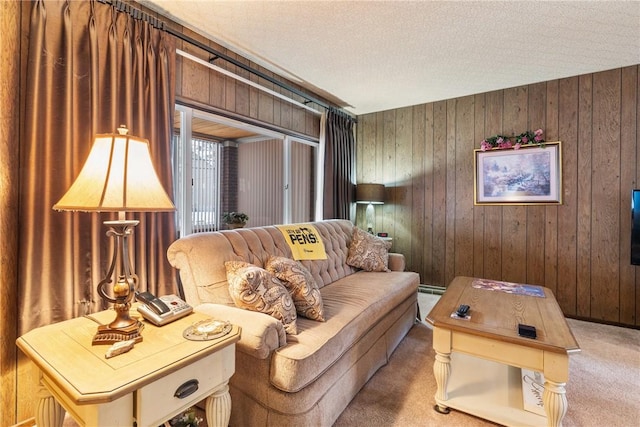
{"x": 535, "y": 213}
{"x": 286, "y": 110}
{"x": 450, "y": 189}
{"x": 368, "y": 144}
{"x": 386, "y": 221}
{"x": 493, "y": 214}
{"x": 366, "y": 165}
{"x": 439, "y": 192}
{"x": 242, "y": 93}
{"x": 605, "y": 273}
{"x": 195, "y": 77}
{"x": 254, "y": 97}
{"x": 379, "y": 155}
{"x": 628, "y": 134}
{"x": 478, "y": 210}
{"x": 230, "y": 85}
{"x": 567, "y": 213}
{"x": 265, "y": 101}
{"x": 277, "y": 108}
{"x": 551, "y": 212}
{"x": 217, "y": 85}
{"x": 429, "y": 241}
{"x": 463, "y": 216}
{"x": 313, "y": 123}
{"x": 514, "y": 230}
{"x": 585, "y": 139}
{"x": 417, "y": 223}
{"x": 403, "y": 200}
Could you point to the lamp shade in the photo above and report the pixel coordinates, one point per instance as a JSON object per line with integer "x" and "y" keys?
{"x": 118, "y": 176}
{"x": 370, "y": 193}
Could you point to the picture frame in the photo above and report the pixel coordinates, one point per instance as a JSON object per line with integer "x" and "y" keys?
{"x": 530, "y": 175}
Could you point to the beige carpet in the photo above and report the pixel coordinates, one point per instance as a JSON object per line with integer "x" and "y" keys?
{"x": 603, "y": 388}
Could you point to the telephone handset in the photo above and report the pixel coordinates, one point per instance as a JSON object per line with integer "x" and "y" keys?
{"x": 162, "y": 310}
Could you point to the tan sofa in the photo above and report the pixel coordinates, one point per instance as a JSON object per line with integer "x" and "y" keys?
{"x": 308, "y": 378}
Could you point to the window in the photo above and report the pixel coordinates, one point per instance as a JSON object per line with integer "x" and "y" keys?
{"x": 223, "y": 165}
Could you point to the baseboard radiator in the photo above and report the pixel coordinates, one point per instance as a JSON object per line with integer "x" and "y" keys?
{"x": 429, "y": 289}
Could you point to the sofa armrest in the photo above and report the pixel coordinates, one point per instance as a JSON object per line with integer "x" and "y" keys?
{"x": 261, "y": 333}
{"x": 396, "y": 262}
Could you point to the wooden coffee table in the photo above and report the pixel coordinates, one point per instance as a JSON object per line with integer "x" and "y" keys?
{"x": 478, "y": 359}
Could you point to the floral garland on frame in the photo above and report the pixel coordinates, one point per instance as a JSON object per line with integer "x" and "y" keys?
{"x": 515, "y": 142}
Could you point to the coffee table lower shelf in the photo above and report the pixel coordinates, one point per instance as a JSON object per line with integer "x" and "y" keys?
{"x": 488, "y": 390}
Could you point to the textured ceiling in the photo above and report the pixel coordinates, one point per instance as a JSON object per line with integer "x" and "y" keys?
{"x": 372, "y": 56}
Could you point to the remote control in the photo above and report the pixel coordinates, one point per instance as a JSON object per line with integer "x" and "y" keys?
{"x": 462, "y": 310}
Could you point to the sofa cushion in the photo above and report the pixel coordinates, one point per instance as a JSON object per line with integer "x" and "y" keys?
{"x": 368, "y": 252}
{"x": 353, "y": 305}
{"x": 300, "y": 284}
{"x": 254, "y": 288}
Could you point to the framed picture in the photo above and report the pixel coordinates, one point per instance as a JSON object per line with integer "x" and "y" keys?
{"x": 529, "y": 175}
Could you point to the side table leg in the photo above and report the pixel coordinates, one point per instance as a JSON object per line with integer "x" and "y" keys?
{"x": 555, "y": 402}
{"x": 442, "y": 372}
{"x": 49, "y": 412}
{"x": 218, "y": 407}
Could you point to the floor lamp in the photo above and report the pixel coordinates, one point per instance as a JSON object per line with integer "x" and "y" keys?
{"x": 370, "y": 194}
{"x": 118, "y": 176}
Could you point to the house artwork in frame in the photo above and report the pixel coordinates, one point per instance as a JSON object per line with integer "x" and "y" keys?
{"x": 529, "y": 175}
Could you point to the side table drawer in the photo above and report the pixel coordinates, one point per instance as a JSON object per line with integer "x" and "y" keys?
{"x": 156, "y": 402}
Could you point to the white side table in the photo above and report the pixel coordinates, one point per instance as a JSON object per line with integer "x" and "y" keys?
{"x": 140, "y": 386}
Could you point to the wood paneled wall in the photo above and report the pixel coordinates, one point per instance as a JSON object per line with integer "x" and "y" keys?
{"x": 195, "y": 82}
{"x": 580, "y": 249}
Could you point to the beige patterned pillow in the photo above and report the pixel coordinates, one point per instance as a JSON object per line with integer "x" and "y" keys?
{"x": 254, "y": 288}
{"x": 300, "y": 284}
{"x": 368, "y": 252}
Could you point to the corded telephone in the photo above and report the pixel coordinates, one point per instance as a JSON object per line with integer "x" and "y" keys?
{"x": 162, "y": 310}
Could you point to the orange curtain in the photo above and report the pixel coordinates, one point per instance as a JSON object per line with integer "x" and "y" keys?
{"x": 90, "y": 69}
{"x": 339, "y": 166}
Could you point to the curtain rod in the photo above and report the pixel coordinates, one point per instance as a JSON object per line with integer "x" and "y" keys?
{"x": 135, "y": 13}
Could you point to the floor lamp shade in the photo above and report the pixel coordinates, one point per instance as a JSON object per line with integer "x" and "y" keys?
{"x": 118, "y": 176}
{"x": 370, "y": 193}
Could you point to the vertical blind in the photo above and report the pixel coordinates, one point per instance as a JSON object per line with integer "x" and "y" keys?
{"x": 260, "y": 181}
{"x": 205, "y": 184}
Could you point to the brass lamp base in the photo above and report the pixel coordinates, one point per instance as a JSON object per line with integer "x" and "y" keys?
{"x": 108, "y": 335}
{"x": 122, "y": 328}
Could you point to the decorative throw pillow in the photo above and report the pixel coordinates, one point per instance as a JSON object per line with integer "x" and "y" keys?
{"x": 254, "y": 288}
{"x": 300, "y": 284}
{"x": 368, "y": 252}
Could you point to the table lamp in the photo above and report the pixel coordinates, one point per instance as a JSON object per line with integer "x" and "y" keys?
{"x": 370, "y": 194}
{"x": 118, "y": 176}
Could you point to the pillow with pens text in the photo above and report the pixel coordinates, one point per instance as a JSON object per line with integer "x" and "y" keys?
{"x": 254, "y": 288}
{"x": 300, "y": 284}
{"x": 368, "y": 252}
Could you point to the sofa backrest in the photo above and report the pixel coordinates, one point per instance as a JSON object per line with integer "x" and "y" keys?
{"x": 200, "y": 257}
